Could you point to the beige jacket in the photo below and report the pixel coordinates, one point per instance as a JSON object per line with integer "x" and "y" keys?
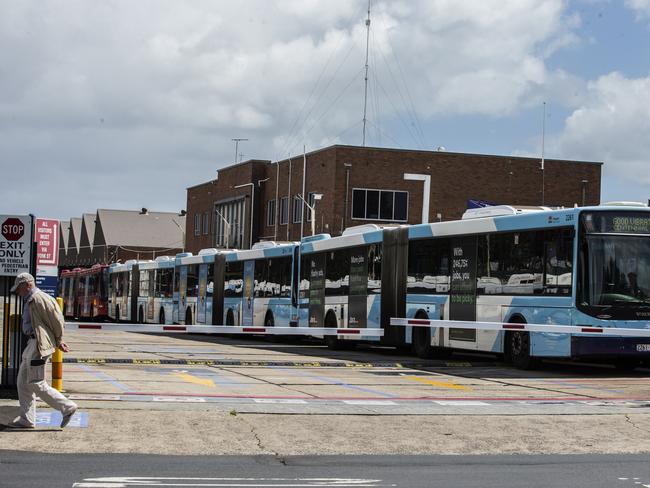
{"x": 47, "y": 322}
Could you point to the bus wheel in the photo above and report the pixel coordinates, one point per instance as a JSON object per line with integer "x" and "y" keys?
{"x": 518, "y": 350}
{"x": 422, "y": 342}
{"x": 161, "y": 317}
{"x": 230, "y": 317}
{"x": 626, "y": 364}
{"x": 188, "y": 317}
{"x": 332, "y": 342}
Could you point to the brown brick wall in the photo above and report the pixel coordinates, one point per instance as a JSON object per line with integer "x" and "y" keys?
{"x": 455, "y": 178}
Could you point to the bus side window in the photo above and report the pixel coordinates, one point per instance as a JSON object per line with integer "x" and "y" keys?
{"x": 374, "y": 268}
{"x": 558, "y": 262}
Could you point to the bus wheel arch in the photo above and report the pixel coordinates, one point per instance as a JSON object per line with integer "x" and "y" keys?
{"x": 421, "y": 338}
{"x": 330, "y": 322}
{"x": 268, "y": 319}
{"x": 516, "y": 347}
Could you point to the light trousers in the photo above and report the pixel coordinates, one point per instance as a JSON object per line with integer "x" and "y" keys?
{"x": 32, "y": 384}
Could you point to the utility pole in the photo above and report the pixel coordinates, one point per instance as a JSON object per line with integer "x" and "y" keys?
{"x": 365, "y": 93}
{"x": 543, "y": 130}
{"x": 236, "y": 141}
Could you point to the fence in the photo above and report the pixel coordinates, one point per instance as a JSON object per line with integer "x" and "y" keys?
{"x": 12, "y": 343}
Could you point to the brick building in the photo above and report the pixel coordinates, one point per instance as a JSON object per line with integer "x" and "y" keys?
{"x": 362, "y": 185}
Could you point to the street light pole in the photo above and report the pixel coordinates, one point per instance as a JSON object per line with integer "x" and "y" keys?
{"x": 317, "y": 196}
{"x": 227, "y": 224}
{"x": 252, "y": 185}
{"x": 182, "y": 232}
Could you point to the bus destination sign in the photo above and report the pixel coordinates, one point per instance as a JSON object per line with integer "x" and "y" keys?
{"x": 617, "y": 222}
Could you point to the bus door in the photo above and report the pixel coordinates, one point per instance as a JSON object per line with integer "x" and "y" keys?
{"x": 182, "y": 292}
{"x": 202, "y": 294}
{"x": 393, "y": 283}
{"x": 249, "y": 293}
{"x": 152, "y": 294}
{"x": 85, "y": 303}
{"x": 316, "y": 263}
{"x": 462, "y": 291}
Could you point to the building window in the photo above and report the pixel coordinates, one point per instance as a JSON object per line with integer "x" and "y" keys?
{"x": 197, "y": 224}
{"x": 369, "y": 204}
{"x": 284, "y": 210}
{"x": 297, "y": 210}
{"x": 229, "y": 224}
{"x": 270, "y": 213}
{"x": 206, "y": 223}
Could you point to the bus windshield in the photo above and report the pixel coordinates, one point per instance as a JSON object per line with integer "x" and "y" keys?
{"x": 616, "y": 258}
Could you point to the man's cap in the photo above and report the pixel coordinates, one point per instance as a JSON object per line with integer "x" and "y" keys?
{"x": 20, "y": 279}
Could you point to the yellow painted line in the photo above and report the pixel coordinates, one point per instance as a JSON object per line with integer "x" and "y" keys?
{"x": 197, "y": 381}
{"x": 441, "y": 384}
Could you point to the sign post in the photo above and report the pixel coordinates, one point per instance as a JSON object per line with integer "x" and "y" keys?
{"x": 16, "y": 233}
{"x": 15, "y": 244}
{"x": 46, "y": 238}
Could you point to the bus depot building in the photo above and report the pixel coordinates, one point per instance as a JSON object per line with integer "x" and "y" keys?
{"x": 350, "y": 185}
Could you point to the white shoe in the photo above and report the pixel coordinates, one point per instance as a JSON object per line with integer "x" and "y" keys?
{"x": 20, "y": 423}
{"x": 67, "y": 416}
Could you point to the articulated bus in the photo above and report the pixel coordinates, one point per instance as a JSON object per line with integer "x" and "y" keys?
{"x": 581, "y": 266}
{"x": 257, "y": 285}
{"x": 587, "y": 267}
{"x": 193, "y": 287}
{"x": 68, "y": 291}
{"x": 119, "y": 299}
{"x": 155, "y": 297}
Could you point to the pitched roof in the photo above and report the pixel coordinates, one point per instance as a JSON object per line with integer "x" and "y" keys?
{"x": 133, "y": 228}
{"x": 64, "y": 225}
{"x": 75, "y": 225}
{"x": 88, "y": 220}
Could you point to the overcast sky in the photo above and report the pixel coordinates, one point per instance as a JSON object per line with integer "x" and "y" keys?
{"x": 124, "y": 104}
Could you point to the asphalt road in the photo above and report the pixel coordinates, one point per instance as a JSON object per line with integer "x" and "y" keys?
{"x": 24, "y": 470}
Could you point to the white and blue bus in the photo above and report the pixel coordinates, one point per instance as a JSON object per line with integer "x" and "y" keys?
{"x": 120, "y": 291}
{"x": 587, "y": 267}
{"x": 258, "y": 284}
{"x": 194, "y": 287}
{"x": 341, "y": 281}
{"x": 155, "y": 297}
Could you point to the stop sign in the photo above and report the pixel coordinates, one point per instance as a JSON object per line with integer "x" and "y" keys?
{"x": 12, "y": 229}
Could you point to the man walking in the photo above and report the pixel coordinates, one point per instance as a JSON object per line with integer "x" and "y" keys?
{"x": 43, "y": 324}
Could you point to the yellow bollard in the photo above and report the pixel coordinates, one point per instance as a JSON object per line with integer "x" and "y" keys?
{"x": 57, "y": 360}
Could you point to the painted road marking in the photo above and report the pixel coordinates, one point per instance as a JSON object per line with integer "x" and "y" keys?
{"x": 179, "y": 399}
{"x": 280, "y": 400}
{"x": 52, "y": 418}
{"x": 439, "y": 384}
{"x": 184, "y": 375}
{"x": 461, "y": 403}
{"x": 332, "y": 381}
{"x": 369, "y": 402}
{"x": 125, "y": 482}
{"x": 105, "y": 377}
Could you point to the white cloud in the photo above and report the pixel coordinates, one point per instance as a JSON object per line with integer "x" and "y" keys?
{"x": 612, "y": 125}
{"x": 641, "y": 7}
{"x": 155, "y": 87}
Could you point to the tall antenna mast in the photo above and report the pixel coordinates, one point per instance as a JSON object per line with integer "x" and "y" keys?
{"x": 543, "y": 130}
{"x": 365, "y": 94}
